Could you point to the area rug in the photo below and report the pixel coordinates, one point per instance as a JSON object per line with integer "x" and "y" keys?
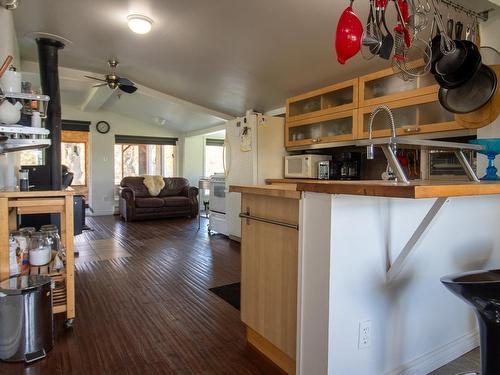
{"x": 229, "y": 293}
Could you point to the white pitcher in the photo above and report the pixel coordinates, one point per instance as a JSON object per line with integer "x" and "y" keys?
{"x": 10, "y": 113}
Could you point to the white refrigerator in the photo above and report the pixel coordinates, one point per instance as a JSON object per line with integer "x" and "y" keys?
{"x": 254, "y": 151}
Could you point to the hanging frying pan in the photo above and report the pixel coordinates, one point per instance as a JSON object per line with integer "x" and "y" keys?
{"x": 485, "y": 115}
{"x": 472, "y": 95}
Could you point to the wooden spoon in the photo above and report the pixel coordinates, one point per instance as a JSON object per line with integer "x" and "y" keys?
{"x": 5, "y": 65}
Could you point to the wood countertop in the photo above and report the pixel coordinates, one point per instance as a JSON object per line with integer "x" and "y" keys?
{"x": 414, "y": 190}
{"x": 281, "y": 190}
{"x": 36, "y": 193}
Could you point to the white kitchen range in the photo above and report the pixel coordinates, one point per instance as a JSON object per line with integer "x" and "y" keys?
{"x": 217, "y": 217}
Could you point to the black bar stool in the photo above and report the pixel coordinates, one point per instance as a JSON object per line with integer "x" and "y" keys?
{"x": 481, "y": 290}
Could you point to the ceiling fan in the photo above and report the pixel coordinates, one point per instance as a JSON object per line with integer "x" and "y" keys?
{"x": 113, "y": 81}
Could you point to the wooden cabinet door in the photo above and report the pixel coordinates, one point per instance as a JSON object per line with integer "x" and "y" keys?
{"x": 269, "y": 258}
{"x": 418, "y": 115}
{"x": 385, "y": 86}
{"x": 340, "y": 126}
{"x": 339, "y": 97}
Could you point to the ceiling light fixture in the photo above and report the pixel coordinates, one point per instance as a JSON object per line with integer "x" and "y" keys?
{"x": 139, "y": 24}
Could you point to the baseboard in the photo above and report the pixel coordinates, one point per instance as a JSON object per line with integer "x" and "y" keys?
{"x": 234, "y": 238}
{"x": 271, "y": 352}
{"x": 101, "y": 212}
{"x": 439, "y": 357}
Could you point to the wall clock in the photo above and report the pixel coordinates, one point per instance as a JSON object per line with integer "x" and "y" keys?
{"x": 103, "y": 127}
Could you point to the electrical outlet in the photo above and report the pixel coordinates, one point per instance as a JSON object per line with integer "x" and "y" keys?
{"x": 365, "y": 333}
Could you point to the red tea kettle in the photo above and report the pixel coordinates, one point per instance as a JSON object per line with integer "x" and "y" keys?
{"x": 349, "y": 35}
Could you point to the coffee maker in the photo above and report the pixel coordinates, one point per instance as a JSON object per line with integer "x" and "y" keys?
{"x": 346, "y": 166}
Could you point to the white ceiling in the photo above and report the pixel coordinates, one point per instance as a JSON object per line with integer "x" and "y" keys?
{"x": 225, "y": 55}
{"x": 145, "y": 105}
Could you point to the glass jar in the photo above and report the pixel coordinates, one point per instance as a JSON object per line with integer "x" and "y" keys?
{"x": 53, "y": 236}
{"x": 40, "y": 250}
{"x": 27, "y": 231}
{"x": 19, "y": 242}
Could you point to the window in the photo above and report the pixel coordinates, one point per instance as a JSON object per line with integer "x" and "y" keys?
{"x": 74, "y": 155}
{"x": 144, "y": 159}
{"x": 214, "y": 156}
{"x": 32, "y": 158}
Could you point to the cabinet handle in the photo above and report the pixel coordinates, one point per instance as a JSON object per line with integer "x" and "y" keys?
{"x": 412, "y": 130}
{"x": 247, "y": 216}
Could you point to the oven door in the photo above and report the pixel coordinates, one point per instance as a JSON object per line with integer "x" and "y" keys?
{"x": 218, "y": 196}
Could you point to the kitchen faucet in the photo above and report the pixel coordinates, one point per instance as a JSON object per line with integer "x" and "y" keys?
{"x": 370, "y": 149}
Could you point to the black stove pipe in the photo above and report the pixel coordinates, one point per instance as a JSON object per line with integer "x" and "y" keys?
{"x": 49, "y": 78}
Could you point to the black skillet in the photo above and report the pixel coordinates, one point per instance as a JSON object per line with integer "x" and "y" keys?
{"x": 472, "y": 95}
{"x": 465, "y": 71}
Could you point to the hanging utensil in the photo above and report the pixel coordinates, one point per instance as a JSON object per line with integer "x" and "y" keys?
{"x": 371, "y": 40}
{"x": 468, "y": 33}
{"x": 387, "y": 40}
{"x": 403, "y": 17}
{"x": 349, "y": 35}
{"x": 418, "y": 18}
{"x": 449, "y": 27}
{"x": 487, "y": 114}
{"x": 459, "y": 28}
{"x": 446, "y": 43}
{"x": 471, "y": 96}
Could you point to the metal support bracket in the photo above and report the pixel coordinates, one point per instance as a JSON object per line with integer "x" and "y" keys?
{"x": 398, "y": 265}
{"x": 394, "y": 164}
{"x": 466, "y": 166}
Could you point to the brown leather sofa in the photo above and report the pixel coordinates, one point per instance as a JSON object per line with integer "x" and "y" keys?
{"x": 176, "y": 199}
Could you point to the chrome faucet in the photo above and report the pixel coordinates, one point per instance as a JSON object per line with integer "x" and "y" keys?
{"x": 370, "y": 149}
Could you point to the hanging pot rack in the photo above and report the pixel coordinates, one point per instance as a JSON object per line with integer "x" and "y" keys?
{"x": 483, "y": 16}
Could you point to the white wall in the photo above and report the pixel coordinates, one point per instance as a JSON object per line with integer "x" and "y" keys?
{"x": 101, "y": 168}
{"x": 489, "y": 37}
{"x": 193, "y": 160}
{"x": 9, "y": 163}
{"x": 194, "y": 155}
{"x": 417, "y": 324}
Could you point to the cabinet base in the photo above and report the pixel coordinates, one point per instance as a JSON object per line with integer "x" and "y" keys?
{"x": 274, "y": 354}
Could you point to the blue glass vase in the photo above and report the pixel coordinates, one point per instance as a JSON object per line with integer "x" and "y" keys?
{"x": 491, "y": 150}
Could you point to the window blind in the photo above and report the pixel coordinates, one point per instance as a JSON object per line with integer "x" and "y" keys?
{"x": 138, "y": 140}
{"x": 76, "y": 125}
{"x": 214, "y": 142}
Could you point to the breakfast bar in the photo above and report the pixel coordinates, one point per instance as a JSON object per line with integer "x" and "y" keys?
{"x": 397, "y": 240}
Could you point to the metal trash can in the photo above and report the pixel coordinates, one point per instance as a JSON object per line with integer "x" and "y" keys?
{"x": 26, "y": 323}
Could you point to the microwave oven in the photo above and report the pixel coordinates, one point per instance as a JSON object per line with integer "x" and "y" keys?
{"x": 303, "y": 166}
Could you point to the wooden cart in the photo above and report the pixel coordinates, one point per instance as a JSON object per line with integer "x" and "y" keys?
{"x": 43, "y": 202}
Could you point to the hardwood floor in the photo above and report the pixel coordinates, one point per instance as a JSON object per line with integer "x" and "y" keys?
{"x": 468, "y": 362}
{"x": 143, "y": 305}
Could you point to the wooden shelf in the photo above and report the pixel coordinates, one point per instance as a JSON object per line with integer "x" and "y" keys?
{"x": 13, "y": 203}
{"x": 59, "y": 292}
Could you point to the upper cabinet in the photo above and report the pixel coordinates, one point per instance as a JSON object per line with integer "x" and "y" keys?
{"x": 418, "y": 115}
{"x": 385, "y": 86}
{"x": 332, "y": 99}
{"x": 341, "y": 112}
{"x": 340, "y": 126}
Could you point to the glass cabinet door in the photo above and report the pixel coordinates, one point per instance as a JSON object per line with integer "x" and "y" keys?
{"x": 385, "y": 86}
{"x": 418, "y": 115}
{"x": 337, "y": 127}
{"x": 332, "y": 99}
